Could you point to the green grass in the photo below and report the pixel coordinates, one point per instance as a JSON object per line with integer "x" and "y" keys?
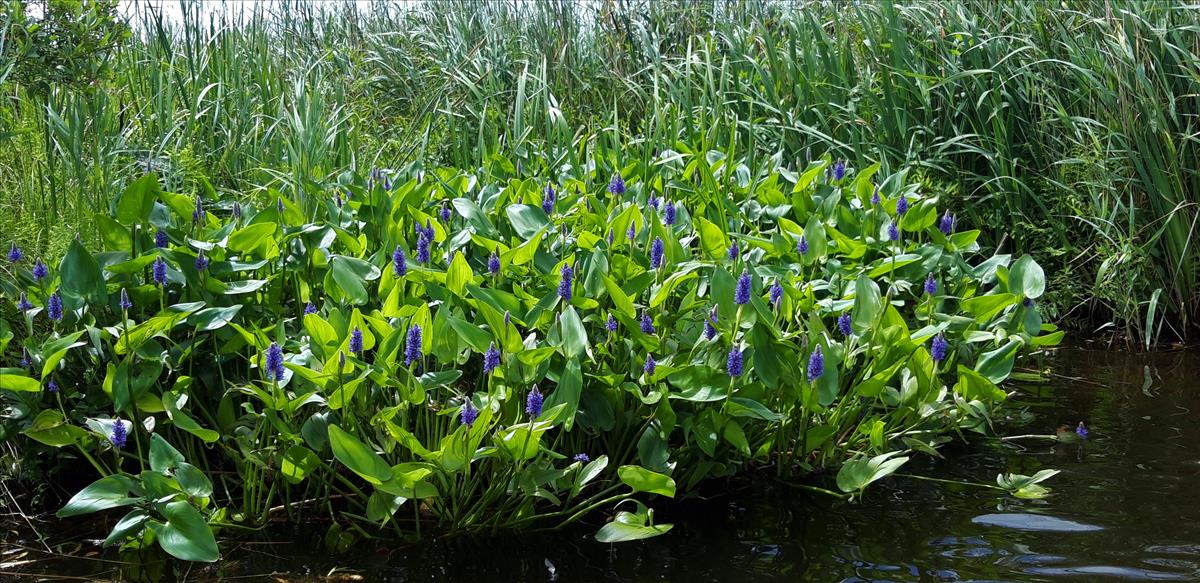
{"x": 1073, "y": 127}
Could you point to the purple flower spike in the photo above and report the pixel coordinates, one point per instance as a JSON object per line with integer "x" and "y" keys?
{"x": 741, "y": 293}
{"x": 23, "y": 303}
{"x": 652, "y": 202}
{"x": 582, "y": 458}
{"x": 159, "y": 271}
{"x": 469, "y": 414}
{"x": 617, "y": 184}
{"x": 412, "y": 345}
{"x": 670, "y": 214}
{"x": 533, "y": 403}
{"x": 734, "y": 252}
{"x": 549, "y": 197}
{"x": 844, "y": 324}
{"x": 14, "y": 253}
{"x": 274, "y": 364}
{"x": 119, "y": 434}
{"x": 399, "y": 262}
{"x": 201, "y": 261}
{"x": 611, "y": 324}
{"x": 947, "y": 224}
{"x": 124, "y": 303}
{"x": 816, "y": 364}
{"x": 609, "y": 238}
{"x": 893, "y": 232}
{"x": 237, "y": 210}
{"x": 494, "y": 264}
{"x": 901, "y": 206}
{"x": 650, "y": 366}
{"x": 423, "y": 243}
{"x": 839, "y": 170}
{"x": 356, "y": 341}
{"x": 647, "y": 324}
{"x": 931, "y": 285}
{"x": 710, "y": 324}
{"x": 940, "y": 348}
{"x": 1081, "y": 430}
{"x": 734, "y": 364}
{"x": 564, "y": 283}
{"x": 309, "y": 308}
{"x": 54, "y": 307}
{"x": 40, "y": 271}
{"x": 776, "y": 293}
{"x": 198, "y": 214}
{"x": 656, "y": 253}
{"x": 631, "y": 232}
{"x": 445, "y": 212}
{"x": 491, "y": 359}
{"x": 160, "y": 239}
{"x": 875, "y": 200}
{"x": 52, "y": 386}
{"x": 802, "y": 245}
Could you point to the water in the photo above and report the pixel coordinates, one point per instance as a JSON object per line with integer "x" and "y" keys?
{"x": 1124, "y": 508}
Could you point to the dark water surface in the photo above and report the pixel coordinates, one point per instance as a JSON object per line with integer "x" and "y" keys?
{"x": 1126, "y": 507}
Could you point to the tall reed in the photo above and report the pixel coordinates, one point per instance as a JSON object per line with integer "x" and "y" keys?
{"x": 1072, "y": 126}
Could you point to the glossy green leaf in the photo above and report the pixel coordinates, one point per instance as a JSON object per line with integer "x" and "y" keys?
{"x": 298, "y": 462}
{"x": 527, "y": 220}
{"x": 185, "y": 535}
{"x": 643, "y": 480}
{"x": 80, "y": 277}
{"x": 574, "y": 336}
{"x": 1027, "y": 278}
{"x": 628, "y": 526}
{"x": 355, "y": 455}
{"x": 213, "y": 318}
{"x": 137, "y": 200}
{"x": 253, "y": 238}
{"x": 107, "y": 492}
{"x": 163, "y": 457}
{"x": 458, "y": 275}
{"x": 996, "y": 364}
{"x": 570, "y": 385}
{"x": 173, "y": 402}
{"x": 51, "y": 428}
{"x": 129, "y": 526}
{"x": 10, "y": 380}
{"x": 193, "y": 481}
{"x": 855, "y": 475}
{"x": 868, "y": 305}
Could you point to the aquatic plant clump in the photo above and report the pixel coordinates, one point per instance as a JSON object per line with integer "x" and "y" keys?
{"x": 305, "y": 358}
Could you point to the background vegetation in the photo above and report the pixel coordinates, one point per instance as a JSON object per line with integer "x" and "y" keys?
{"x": 659, "y": 213}
{"x": 1071, "y": 126}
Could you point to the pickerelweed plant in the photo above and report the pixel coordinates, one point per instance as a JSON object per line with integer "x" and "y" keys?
{"x": 484, "y": 354}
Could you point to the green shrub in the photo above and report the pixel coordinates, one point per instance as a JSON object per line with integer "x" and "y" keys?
{"x": 507, "y": 354}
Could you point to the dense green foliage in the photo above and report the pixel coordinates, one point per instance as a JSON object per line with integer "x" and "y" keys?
{"x": 1071, "y": 126}
{"x": 389, "y": 345}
